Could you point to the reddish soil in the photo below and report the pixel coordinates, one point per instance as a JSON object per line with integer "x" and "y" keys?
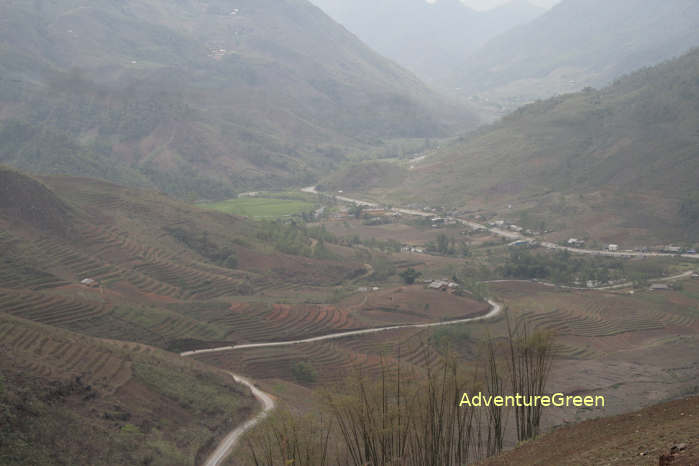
{"x": 415, "y": 303}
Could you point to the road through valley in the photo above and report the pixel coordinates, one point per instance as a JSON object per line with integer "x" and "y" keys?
{"x": 230, "y": 441}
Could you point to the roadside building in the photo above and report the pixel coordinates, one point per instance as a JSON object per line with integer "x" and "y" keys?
{"x": 613, "y": 247}
{"x": 659, "y": 287}
{"x": 439, "y": 285}
{"x": 576, "y": 243}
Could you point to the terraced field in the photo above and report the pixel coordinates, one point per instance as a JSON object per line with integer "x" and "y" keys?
{"x": 591, "y": 324}
{"x": 60, "y": 355}
{"x": 572, "y": 323}
{"x": 50, "y": 309}
{"x": 119, "y": 403}
{"x": 256, "y": 323}
{"x": 331, "y": 361}
{"x": 15, "y": 273}
{"x": 416, "y": 303}
{"x": 150, "y": 325}
{"x": 336, "y": 360}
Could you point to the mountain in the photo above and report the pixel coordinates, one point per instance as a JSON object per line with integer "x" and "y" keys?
{"x": 198, "y": 97}
{"x": 429, "y": 39}
{"x": 614, "y": 164}
{"x": 575, "y": 44}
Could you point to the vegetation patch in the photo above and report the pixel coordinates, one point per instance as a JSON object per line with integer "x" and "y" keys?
{"x": 258, "y": 207}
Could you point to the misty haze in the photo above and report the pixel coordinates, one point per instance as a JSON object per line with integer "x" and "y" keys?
{"x": 349, "y": 232}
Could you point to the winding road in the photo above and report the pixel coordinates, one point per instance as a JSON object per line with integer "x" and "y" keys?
{"x": 266, "y": 400}
{"x": 229, "y": 442}
{"x": 225, "y": 447}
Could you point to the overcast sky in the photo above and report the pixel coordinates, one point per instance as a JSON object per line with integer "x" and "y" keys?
{"x": 488, "y": 4}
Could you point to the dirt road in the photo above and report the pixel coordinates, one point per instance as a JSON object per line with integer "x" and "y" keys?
{"x": 231, "y": 440}
{"x": 227, "y": 445}
{"x": 496, "y": 308}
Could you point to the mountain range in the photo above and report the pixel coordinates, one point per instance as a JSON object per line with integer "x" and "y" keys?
{"x": 430, "y": 39}
{"x": 575, "y": 44}
{"x": 612, "y": 164}
{"x": 199, "y": 98}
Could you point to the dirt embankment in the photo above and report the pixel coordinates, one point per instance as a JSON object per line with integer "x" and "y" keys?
{"x": 669, "y": 430}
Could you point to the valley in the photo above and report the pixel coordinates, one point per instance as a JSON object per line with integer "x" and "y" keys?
{"x": 223, "y": 294}
{"x": 582, "y": 166}
{"x": 301, "y": 232}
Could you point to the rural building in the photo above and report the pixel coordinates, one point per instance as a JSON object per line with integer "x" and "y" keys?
{"x": 442, "y": 285}
{"x": 576, "y": 243}
{"x": 659, "y": 287}
{"x": 439, "y": 285}
{"x": 613, "y": 247}
{"x": 90, "y": 283}
{"x": 695, "y": 276}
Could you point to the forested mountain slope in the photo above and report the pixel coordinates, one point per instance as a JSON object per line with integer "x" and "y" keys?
{"x": 626, "y": 155}
{"x": 578, "y": 43}
{"x": 197, "y": 97}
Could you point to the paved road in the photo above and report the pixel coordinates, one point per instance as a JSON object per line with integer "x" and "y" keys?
{"x": 227, "y": 445}
{"x": 511, "y": 235}
{"x": 680, "y": 276}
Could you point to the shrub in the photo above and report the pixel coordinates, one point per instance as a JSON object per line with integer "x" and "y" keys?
{"x": 410, "y": 275}
{"x": 231, "y": 261}
{"x": 304, "y": 373}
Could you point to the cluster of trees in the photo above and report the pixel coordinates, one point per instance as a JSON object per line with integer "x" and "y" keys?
{"x": 561, "y": 267}
{"x": 409, "y": 275}
{"x": 292, "y": 238}
{"x": 199, "y": 242}
{"x": 287, "y": 238}
{"x": 389, "y": 245}
{"x": 304, "y": 372}
{"x": 448, "y": 246}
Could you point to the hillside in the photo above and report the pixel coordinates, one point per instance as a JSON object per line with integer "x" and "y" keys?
{"x": 69, "y": 399}
{"x": 577, "y": 43}
{"x": 164, "y": 270}
{"x": 611, "y": 164}
{"x": 198, "y": 98}
{"x": 430, "y": 39}
{"x": 638, "y": 438}
{"x": 26, "y": 200}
